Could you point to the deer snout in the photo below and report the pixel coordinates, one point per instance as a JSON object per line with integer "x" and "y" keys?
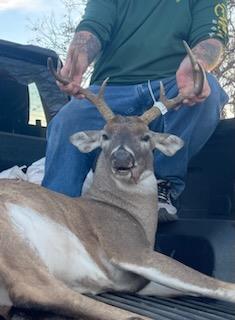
{"x": 122, "y": 159}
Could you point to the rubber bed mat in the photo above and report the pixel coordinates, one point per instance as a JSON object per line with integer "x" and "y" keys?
{"x": 185, "y": 308}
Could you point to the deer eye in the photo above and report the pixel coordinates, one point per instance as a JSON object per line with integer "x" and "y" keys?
{"x": 145, "y": 138}
{"x": 105, "y": 137}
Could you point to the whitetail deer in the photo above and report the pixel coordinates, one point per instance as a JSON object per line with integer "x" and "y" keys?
{"x": 54, "y": 248}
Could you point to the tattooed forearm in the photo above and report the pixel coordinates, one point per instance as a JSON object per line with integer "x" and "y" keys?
{"x": 209, "y": 53}
{"x": 86, "y": 43}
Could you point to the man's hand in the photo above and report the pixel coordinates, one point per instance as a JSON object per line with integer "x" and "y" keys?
{"x": 184, "y": 78}
{"x": 208, "y": 53}
{"x": 82, "y": 51}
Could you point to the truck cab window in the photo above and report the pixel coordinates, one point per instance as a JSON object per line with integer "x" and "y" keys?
{"x": 36, "y": 112}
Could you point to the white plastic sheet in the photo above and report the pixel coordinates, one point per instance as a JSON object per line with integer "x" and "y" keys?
{"x": 14, "y": 173}
{"x": 35, "y": 174}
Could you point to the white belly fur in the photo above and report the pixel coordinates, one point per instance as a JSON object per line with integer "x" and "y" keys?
{"x": 60, "y": 250}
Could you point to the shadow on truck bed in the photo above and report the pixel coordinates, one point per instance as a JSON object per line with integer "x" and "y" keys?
{"x": 204, "y": 236}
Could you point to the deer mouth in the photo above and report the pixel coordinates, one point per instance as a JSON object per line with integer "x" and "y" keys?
{"x": 131, "y": 173}
{"x": 122, "y": 171}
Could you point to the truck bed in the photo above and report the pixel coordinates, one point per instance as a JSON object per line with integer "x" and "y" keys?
{"x": 185, "y": 308}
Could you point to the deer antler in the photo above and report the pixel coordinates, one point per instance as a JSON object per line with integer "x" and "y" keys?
{"x": 199, "y": 80}
{"x": 97, "y": 100}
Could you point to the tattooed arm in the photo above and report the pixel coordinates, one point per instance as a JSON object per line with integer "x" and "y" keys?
{"x": 209, "y": 53}
{"x": 83, "y": 49}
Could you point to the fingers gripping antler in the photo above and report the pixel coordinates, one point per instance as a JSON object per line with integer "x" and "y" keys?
{"x": 97, "y": 100}
{"x": 199, "y": 80}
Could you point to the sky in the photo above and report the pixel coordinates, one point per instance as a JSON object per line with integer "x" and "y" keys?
{"x": 15, "y": 16}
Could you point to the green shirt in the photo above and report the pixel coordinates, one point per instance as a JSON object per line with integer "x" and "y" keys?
{"x": 142, "y": 39}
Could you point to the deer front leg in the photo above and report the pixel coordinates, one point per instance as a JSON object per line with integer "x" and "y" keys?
{"x": 41, "y": 291}
{"x": 29, "y": 284}
{"x": 59, "y": 300}
{"x": 170, "y": 273}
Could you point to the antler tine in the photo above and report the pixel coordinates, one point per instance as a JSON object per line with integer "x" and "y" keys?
{"x": 102, "y": 88}
{"x": 164, "y": 103}
{"x": 169, "y": 103}
{"x": 199, "y": 76}
{"x": 59, "y": 65}
{"x": 56, "y": 74}
{"x": 97, "y": 100}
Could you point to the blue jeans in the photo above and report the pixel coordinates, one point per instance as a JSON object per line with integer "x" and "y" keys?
{"x": 66, "y": 167}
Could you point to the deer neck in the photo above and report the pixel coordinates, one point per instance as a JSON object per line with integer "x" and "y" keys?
{"x": 138, "y": 200}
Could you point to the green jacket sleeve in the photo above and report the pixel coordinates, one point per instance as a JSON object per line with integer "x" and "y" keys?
{"x": 209, "y": 20}
{"x": 99, "y": 19}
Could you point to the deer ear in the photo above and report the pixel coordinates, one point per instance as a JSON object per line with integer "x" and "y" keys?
{"x": 167, "y": 143}
{"x": 86, "y": 141}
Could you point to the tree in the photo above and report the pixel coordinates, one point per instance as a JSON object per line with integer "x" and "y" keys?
{"x": 56, "y": 33}
{"x": 226, "y": 71}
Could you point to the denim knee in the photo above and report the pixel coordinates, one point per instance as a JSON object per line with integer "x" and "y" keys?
{"x": 195, "y": 125}
{"x": 77, "y": 115}
{"x": 64, "y": 122}
{"x": 66, "y": 167}
{"x": 218, "y": 97}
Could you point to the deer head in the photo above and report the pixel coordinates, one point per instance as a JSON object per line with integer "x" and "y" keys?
{"x": 127, "y": 145}
{"x": 127, "y": 142}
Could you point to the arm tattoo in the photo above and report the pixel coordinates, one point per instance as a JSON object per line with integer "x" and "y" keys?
{"x": 209, "y": 53}
{"x": 87, "y": 43}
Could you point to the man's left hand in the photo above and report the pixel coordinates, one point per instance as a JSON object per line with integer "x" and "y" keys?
{"x": 184, "y": 78}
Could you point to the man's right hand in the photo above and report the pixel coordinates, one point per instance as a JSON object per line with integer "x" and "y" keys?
{"x": 82, "y": 51}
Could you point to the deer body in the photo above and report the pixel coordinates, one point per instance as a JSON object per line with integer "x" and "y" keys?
{"x": 67, "y": 225}
{"x": 100, "y": 242}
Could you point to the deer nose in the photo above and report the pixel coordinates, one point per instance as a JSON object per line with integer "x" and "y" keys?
{"x": 122, "y": 159}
